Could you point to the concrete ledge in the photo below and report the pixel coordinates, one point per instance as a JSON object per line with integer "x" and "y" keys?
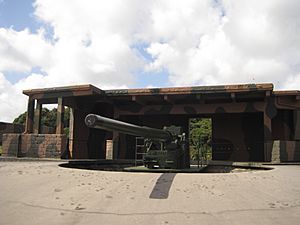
{"x": 28, "y": 159}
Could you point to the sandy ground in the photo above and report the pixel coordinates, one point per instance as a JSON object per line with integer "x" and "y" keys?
{"x": 44, "y": 193}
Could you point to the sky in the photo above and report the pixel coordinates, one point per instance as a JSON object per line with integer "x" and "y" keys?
{"x": 137, "y": 44}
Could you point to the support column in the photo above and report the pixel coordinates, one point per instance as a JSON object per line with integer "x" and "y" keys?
{"x": 29, "y": 116}
{"x": 37, "y": 118}
{"x": 115, "y": 139}
{"x": 60, "y": 116}
{"x": 268, "y": 143}
{"x": 115, "y": 145}
{"x": 297, "y": 125}
{"x": 71, "y": 132}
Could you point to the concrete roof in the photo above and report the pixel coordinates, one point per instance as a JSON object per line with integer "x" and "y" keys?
{"x": 85, "y": 90}
{"x": 66, "y": 91}
{"x": 194, "y": 89}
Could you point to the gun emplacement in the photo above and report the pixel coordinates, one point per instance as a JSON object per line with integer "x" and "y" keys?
{"x": 164, "y": 148}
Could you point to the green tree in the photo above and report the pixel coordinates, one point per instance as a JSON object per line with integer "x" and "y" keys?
{"x": 48, "y": 118}
{"x": 200, "y": 137}
{"x": 21, "y": 119}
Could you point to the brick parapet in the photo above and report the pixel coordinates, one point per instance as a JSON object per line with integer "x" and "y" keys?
{"x": 10, "y": 144}
{"x": 10, "y": 128}
{"x": 34, "y": 145}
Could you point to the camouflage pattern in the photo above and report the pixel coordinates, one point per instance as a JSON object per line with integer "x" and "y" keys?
{"x": 29, "y": 116}
{"x": 285, "y": 151}
{"x": 193, "y": 90}
{"x": 297, "y": 124}
{"x": 10, "y": 128}
{"x": 254, "y": 116}
{"x": 34, "y": 145}
{"x": 37, "y": 118}
{"x": 11, "y": 145}
{"x": 60, "y": 117}
{"x": 51, "y": 94}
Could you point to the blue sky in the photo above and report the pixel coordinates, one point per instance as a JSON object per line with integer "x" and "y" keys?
{"x": 19, "y": 15}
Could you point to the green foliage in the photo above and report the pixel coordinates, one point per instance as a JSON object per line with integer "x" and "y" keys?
{"x": 48, "y": 118}
{"x": 0, "y": 149}
{"x": 66, "y": 131}
{"x": 67, "y": 117}
{"x": 200, "y": 138}
{"x": 21, "y": 119}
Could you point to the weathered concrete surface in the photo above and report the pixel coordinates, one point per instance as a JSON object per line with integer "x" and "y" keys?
{"x": 43, "y": 193}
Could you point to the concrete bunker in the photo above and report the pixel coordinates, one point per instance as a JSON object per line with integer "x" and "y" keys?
{"x": 250, "y": 122}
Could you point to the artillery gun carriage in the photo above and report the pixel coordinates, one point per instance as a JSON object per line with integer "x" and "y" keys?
{"x": 164, "y": 148}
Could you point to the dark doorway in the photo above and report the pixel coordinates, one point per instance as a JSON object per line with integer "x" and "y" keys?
{"x": 238, "y": 137}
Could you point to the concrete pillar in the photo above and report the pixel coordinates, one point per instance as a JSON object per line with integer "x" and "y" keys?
{"x": 71, "y": 132}
{"x": 60, "y": 116}
{"x": 267, "y": 127}
{"x": 109, "y": 149}
{"x": 29, "y": 116}
{"x": 37, "y": 118}
{"x": 297, "y": 125}
{"x": 80, "y": 135}
{"x": 115, "y": 145}
{"x": 115, "y": 139}
{"x": 268, "y": 142}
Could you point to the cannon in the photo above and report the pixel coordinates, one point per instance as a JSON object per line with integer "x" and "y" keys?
{"x": 163, "y": 148}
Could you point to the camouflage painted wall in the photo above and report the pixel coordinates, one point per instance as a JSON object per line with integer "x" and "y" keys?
{"x": 297, "y": 124}
{"x": 238, "y": 137}
{"x": 10, "y": 128}
{"x": 34, "y": 145}
{"x": 11, "y": 144}
{"x": 230, "y": 107}
{"x": 80, "y": 136}
{"x": 282, "y": 125}
{"x": 285, "y": 151}
{"x": 290, "y": 151}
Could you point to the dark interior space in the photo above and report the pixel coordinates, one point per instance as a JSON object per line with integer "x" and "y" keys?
{"x": 238, "y": 137}
{"x": 96, "y": 138}
{"x": 282, "y": 125}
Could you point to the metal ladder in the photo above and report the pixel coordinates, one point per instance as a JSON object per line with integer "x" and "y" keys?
{"x": 139, "y": 150}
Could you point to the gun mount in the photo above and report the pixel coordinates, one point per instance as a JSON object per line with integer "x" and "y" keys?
{"x": 164, "y": 148}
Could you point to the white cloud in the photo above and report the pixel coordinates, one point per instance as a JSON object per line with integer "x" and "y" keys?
{"x": 253, "y": 41}
{"x": 20, "y": 51}
{"x": 12, "y": 102}
{"x": 197, "y": 42}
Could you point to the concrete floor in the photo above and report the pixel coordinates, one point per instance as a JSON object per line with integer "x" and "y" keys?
{"x": 44, "y": 193}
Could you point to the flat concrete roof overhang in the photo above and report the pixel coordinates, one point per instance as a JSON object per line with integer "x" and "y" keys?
{"x": 172, "y": 95}
{"x": 66, "y": 91}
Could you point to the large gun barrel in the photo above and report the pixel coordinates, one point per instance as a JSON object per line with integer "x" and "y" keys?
{"x": 100, "y": 122}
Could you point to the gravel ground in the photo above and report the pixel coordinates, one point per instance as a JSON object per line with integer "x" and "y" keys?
{"x": 44, "y": 193}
